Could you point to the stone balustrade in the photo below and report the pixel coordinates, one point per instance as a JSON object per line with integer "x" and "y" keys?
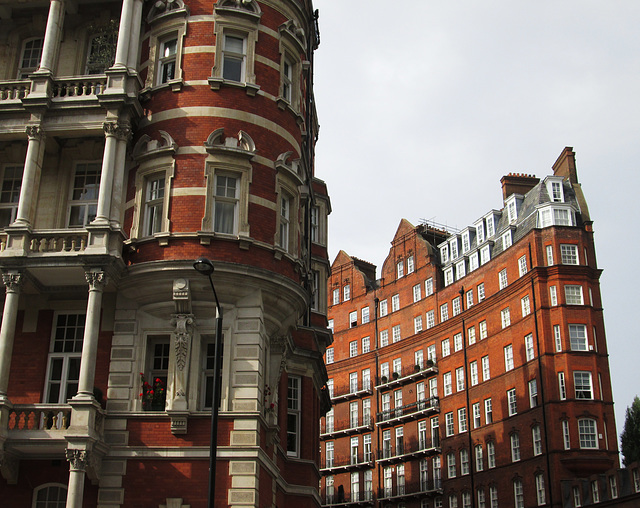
{"x": 25, "y": 417}
{"x": 14, "y": 90}
{"x": 79, "y": 86}
{"x": 58, "y": 241}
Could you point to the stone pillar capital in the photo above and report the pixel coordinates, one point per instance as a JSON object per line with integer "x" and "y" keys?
{"x": 12, "y": 282}
{"x": 78, "y": 459}
{"x": 97, "y": 280}
{"x": 34, "y": 132}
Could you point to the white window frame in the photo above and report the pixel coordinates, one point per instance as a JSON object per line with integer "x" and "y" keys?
{"x": 578, "y": 339}
{"x": 396, "y": 334}
{"x": 573, "y": 294}
{"x": 512, "y": 402}
{"x": 583, "y": 385}
{"x": 515, "y": 447}
{"x": 84, "y": 198}
{"x": 431, "y": 319}
{"x": 528, "y": 347}
{"x": 569, "y": 254}
{"x": 525, "y": 303}
{"x": 522, "y": 265}
{"x": 505, "y": 317}
{"x": 10, "y": 192}
{"x": 294, "y": 415}
{"x": 33, "y": 60}
{"x": 364, "y": 315}
{"x": 533, "y": 392}
{"x": 417, "y": 293}
{"x": 502, "y": 278}
{"x": 395, "y": 303}
{"x": 588, "y": 433}
{"x": 553, "y": 296}
{"x": 486, "y": 371}
{"x": 428, "y": 287}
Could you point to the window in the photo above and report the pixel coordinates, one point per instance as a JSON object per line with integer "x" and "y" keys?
{"x": 549, "y": 250}
{"x": 613, "y": 485}
{"x": 522, "y": 265}
{"x": 488, "y": 411}
{"x": 294, "y": 399}
{"x": 336, "y": 296}
{"x": 417, "y": 324}
{"x": 366, "y": 382}
{"x": 428, "y": 287}
{"x": 346, "y": 293}
{"x": 518, "y": 493}
{"x": 63, "y": 371}
{"x": 395, "y": 333}
{"x": 505, "y": 317}
{"x": 418, "y": 357}
{"x": 446, "y": 348}
{"x": 557, "y": 337}
{"x": 158, "y": 368}
{"x": 573, "y": 295}
{"x": 537, "y": 440}
{"x": 471, "y": 333}
{"x": 457, "y": 342}
{"x": 569, "y": 254}
{"x": 460, "y": 379}
{"x": 395, "y": 303}
{"x": 330, "y": 387}
{"x": 31, "y": 55}
{"x": 84, "y": 194}
{"x": 556, "y": 192}
{"x": 315, "y": 224}
{"x": 453, "y": 501}
{"x": 226, "y": 204}
{"x": 400, "y": 479}
{"x": 577, "y": 500}
{"x": 431, "y": 352}
{"x": 456, "y": 306}
{"x": 528, "y": 347}
{"x": 485, "y": 255}
{"x": 491, "y": 454}
{"x": 167, "y": 60}
{"x": 587, "y": 433}
{"x": 446, "y": 381}
{"x": 383, "y": 308}
{"x": 506, "y": 240}
{"x": 10, "y": 194}
{"x": 481, "y": 499}
{"x": 582, "y": 384}
{"x": 490, "y": 228}
{"x": 473, "y": 372}
{"x": 444, "y": 254}
{"x": 448, "y": 276}
{"x": 464, "y": 462}
{"x": 328, "y": 454}
{"x": 50, "y": 496}
{"x": 481, "y": 292}
{"x": 353, "y": 382}
{"x": 526, "y": 306}
{"x": 410, "y": 265}
{"x": 636, "y": 479}
{"x": 512, "y": 401}
{"x": 366, "y": 444}
{"x": 553, "y": 296}
{"x": 595, "y": 491}
{"x": 515, "y": 447}
{"x": 287, "y": 78}
{"x": 384, "y": 370}
{"x": 479, "y": 458}
{"x": 473, "y": 261}
{"x": 449, "y": 425}
{"x": 508, "y": 358}
{"x": 444, "y": 312}
{"x": 578, "y": 337}
{"x": 397, "y": 366}
{"x": 329, "y": 421}
{"x": 476, "y": 415}
{"x": 353, "y": 417}
{"x": 353, "y": 348}
{"x": 154, "y": 204}
{"x": 420, "y": 396}
{"x": 353, "y": 319}
{"x": 451, "y": 466}
{"x": 417, "y": 293}
{"x": 424, "y": 475}
{"x": 234, "y": 57}
{"x": 533, "y": 393}
{"x": 285, "y": 220}
{"x": 329, "y": 356}
{"x": 561, "y": 386}
{"x": 400, "y": 269}
{"x": 431, "y": 319}
{"x": 366, "y": 345}
{"x": 364, "y": 315}
{"x": 384, "y": 338}
{"x": 469, "y": 298}
{"x": 502, "y": 278}
{"x": 483, "y": 330}
{"x": 460, "y": 270}
{"x": 486, "y": 375}
{"x": 462, "y": 419}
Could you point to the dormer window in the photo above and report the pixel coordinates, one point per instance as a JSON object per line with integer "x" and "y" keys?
{"x": 480, "y": 232}
{"x": 454, "y": 248}
{"x": 466, "y": 243}
{"x": 506, "y": 240}
{"x": 511, "y": 205}
{"x": 490, "y": 227}
{"x": 460, "y": 270}
{"x": 444, "y": 254}
{"x": 559, "y": 215}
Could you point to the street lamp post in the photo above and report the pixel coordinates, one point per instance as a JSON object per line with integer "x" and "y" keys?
{"x": 205, "y": 267}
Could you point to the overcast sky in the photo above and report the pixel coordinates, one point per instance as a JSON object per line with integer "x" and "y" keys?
{"x": 424, "y": 106}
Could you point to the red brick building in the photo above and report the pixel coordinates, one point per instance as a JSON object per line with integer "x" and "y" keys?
{"x": 136, "y": 137}
{"x": 473, "y": 371}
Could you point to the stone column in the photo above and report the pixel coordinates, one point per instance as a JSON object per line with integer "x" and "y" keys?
{"x": 97, "y": 281}
{"x": 124, "y": 34}
{"x": 111, "y": 131}
{"x": 31, "y": 175}
{"x": 118, "y": 190}
{"x": 134, "y": 41}
{"x": 52, "y": 36}
{"x": 77, "y": 471}
{"x": 12, "y": 282}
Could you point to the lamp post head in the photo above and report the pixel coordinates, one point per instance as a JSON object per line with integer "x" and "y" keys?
{"x": 203, "y": 266}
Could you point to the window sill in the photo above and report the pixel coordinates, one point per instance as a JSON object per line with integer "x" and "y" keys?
{"x": 285, "y": 105}
{"x": 175, "y": 85}
{"x": 216, "y": 83}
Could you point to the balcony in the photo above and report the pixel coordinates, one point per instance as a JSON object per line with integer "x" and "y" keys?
{"x": 364, "y": 498}
{"x": 346, "y": 427}
{"x": 351, "y": 391}
{"x": 405, "y": 491}
{"x": 352, "y": 462}
{"x": 406, "y": 375}
{"x": 408, "y": 451}
{"x": 408, "y": 412}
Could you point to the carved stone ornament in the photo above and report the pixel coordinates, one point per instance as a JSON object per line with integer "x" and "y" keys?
{"x": 12, "y": 282}
{"x": 96, "y": 280}
{"x": 183, "y": 334}
{"x": 34, "y": 132}
{"x": 77, "y": 459}
{"x": 120, "y": 131}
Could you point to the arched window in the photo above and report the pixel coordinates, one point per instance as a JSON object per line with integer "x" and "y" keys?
{"x": 30, "y": 57}
{"x": 50, "y": 495}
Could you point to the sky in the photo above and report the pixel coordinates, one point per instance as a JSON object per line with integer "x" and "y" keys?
{"x": 424, "y": 105}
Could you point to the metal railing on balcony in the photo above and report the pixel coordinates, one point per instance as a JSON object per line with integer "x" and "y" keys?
{"x": 79, "y": 86}
{"x": 356, "y": 459}
{"x": 406, "y": 490}
{"x": 347, "y": 425}
{"x": 406, "y": 375}
{"x": 352, "y": 389}
{"x": 408, "y": 450}
{"x": 14, "y": 90}
{"x": 408, "y": 411}
{"x": 343, "y": 498}
{"x": 25, "y": 417}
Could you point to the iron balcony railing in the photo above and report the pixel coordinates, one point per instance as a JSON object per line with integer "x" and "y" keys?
{"x": 408, "y": 411}
{"x": 346, "y": 426}
{"x": 406, "y": 375}
{"x": 351, "y": 390}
